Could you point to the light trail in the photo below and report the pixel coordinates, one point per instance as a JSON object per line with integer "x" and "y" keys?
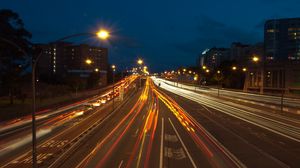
{"x": 133, "y": 112}
{"x": 293, "y": 102}
{"x": 216, "y": 154}
{"x": 281, "y": 128}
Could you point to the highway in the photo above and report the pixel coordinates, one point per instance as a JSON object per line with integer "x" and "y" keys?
{"x": 159, "y": 125}
{"x": 276, "y": 100}
{"x": 156, "y": 132}
{"x": 265, "y": 134}
{"x": 58, "y": 130}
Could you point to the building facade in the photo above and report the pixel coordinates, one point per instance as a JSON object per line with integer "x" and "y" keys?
{"x": 278, "y": 70}
{"x": 282, "y": 39}
{"x": 63, "y": 59}
{"x": 212, "y": 58}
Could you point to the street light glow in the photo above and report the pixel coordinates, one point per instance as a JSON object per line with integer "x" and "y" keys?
{"x": 207, "y": 71}
{"x": 88, "y": 61}
{"x": 96, "y": 70}
{"x": 140, "y": 61}
{"x": 204, "y": 67}
{"x": 103, "y": 34}
{"x": 218, "y": 72}
{"x": 255, "y": 58}
{"x": 244, "y": 69}
{"x": 234, "y": 68}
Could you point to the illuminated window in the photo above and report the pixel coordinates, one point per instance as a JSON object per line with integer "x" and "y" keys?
{"x": 270, "y": 30}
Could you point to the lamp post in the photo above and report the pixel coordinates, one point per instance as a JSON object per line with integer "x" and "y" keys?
{"x": 195, "y": 79}
{"x": 113, "y": 78}
{"x": 140, "y": 63}
{"x": 34, "y": 158}
{"x": 256, "y": 59}
{"x": 102, "y": 34}
{"x": 219, "y": 79}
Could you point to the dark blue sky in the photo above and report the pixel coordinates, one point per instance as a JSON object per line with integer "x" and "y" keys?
{"x": 166, "y": 33}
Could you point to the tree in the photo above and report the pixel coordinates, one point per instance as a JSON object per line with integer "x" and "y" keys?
{"x": 13, "y": 62}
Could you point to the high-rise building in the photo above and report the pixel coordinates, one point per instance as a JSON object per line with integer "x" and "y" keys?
{"x": 278, "y": 69}
{"x": 62, "y": 59}
{"x": 213, "y": 57}
{"x": 282, "y": 39}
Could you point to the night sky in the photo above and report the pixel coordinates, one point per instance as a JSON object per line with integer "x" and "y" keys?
{"x": 165, "y": 33}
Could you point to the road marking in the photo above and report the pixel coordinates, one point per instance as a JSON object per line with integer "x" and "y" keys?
{"x": 161, "y": 143}
{"x": 183, "y": 145}
{"x": 171, "y": 138}
{"x": 136, "y": 132}
{"x": 206, "y": 109}
{"x": 120, "y": 164}
{"x": 177, "y": 154}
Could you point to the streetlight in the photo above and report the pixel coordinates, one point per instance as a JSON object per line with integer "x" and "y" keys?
{"x": 140, "y": 62}
{"x": 195, "y": 79}
{"x": 219, "y": 78}
{"x": 207, "y": 71}
{"x": 244, "y": 69}
{"x": 113, "y": 67}
{"x": 234, "y": 68}
{"x": 101, "y": 35}
{"x": 96, "y": 69}
{"x": 88, "y": 61}
{"x": 255, "y": 58}
{"x": 204, "y": 67}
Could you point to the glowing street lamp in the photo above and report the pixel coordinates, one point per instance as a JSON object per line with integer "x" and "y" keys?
{"x": 140, "y": 61}
{"x": 255, "y": 59}
{"x": 234, "y": 68}
{"x": 88, "y": 61}
{"x": 113, "y": 67}
{"x": 184, "y": 70}
{"x": 96, "y": 70}
{"x": 103, "y": 34}
{"x": 204, "y": 67}
{"x": 195, "y": 78}
{"x": 218, "y": 72}
{"x": 207, "y": 71}
{"x": 244, "y": 69}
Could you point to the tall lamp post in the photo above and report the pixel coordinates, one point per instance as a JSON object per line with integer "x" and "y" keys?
{"x": 113, "y": 67}
{"x": 140, "y": 63}
{"x": 256, "y": 59}
{"x": 218, "y": 78}
{"x": 102, "y": 34}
